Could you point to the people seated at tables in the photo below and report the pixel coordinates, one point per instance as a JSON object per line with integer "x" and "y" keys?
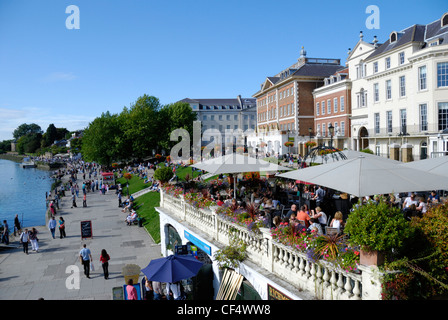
{"x": 132, "y": 216}
{"x": 302, "y": 215}
{"x": 320, "y": 216}
{"x": 337, "y": 221}
{"x": 291, "y": 211}
{"x": 315, "y": 226}
{"x": 411, "y": 200}
{"x": 433, "y": 197}
{"x": 219, "y": 201}
{"x": 422, "y": 206}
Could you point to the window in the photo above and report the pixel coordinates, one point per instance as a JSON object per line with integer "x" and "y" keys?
{"x": 423, "y": 117}
{"x": 324, "y": 131}
{"x": 376, "y": 92}
{"x": 323, "y": 107}
{"x": 388, "y": 89}
{"x": 389, "y": 121}
{"x": 335, "y": 105}
{"x": 328, "y": 106}
{"x": 343, "y": 128}
{"x": 220, "y": 117}
{"x": 402, "y": 86}
{"x": 442, "y": 74}
{"x": 387, "y": 63}
{"x": 443, "y": 115}
{"x": 317, "y": 108}
{"x": 342, "y": 103}
{"x": 318, "y": 128}
{"x": 422, "y": 78}
{"x": 375, "y": 67}
{"x": 403, "y": 120}
{"x": 401, "y": 57}
{"x": 377, "y": 123}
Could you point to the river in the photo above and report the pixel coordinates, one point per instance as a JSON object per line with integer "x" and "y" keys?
{"x": 22, "y": 192}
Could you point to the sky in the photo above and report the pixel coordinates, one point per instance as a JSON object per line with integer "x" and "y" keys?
{"x": 169, "y": 49}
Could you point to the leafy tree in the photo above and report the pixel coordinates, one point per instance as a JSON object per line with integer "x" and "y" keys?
{"x": 163, "y": 174}
{"x": 98, "y": 142}
{"x": 29, "y": 143}
{"x": 25, "y": 129}
{"x": 49, "y": 136}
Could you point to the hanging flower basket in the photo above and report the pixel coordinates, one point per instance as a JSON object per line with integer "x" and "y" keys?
{"x": 289, "y": 144}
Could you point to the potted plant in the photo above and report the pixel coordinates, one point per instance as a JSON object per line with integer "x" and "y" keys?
{"x": 376, "y": 228}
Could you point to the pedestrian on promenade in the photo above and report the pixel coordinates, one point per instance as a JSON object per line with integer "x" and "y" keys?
{"x": 34, "y": 240}
{"x": 77, "y": 190}
{"x": 74, "y": 201}
{"x": 24, "y": 240}
{"x": 5, "y": 234}
{"x": 148, "y": 290}
{"x": 85, "y": 256}
{"x": 158, "y": 292}
{"x": 17, "y": 225}
{"x": 62, "y": 228}
{"x": 84, "y": 201}
{"x": 104, "y": 258}
{"x": 52, "y": 208}
{"x": 52, "y": 226}
{"x": 131, "y": 291}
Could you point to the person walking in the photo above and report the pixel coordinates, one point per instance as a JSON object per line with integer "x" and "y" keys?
{"x": 17, "y": 225}
{"x": 24, "y": 240}
{"x": 5, "y": 234}
{"x": 157, "y": 288}
{"x": 62, "y": 228}
{"x": 104, "y": 258}
{"x": 34, "y": 240}
{"x": 74, "y": 201}
{"x": 85, "y": 256}
{"x": 131, "y": 291}
{"x": 52, "y": 226}
{"x": 84, "y": 201}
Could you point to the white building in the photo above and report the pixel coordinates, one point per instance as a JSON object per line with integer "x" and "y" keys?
{"x": 400, "y": 92}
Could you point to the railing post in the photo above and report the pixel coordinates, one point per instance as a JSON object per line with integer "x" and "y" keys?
{"x": 371, "y": 282}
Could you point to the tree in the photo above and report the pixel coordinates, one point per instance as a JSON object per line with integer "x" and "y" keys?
{"x": 49, "y": 136}
{"x": 141, "y": 126}
{"x": 29, "y": 143}
{"x": 25, "y": 129}
{"x": 99, "y": 139}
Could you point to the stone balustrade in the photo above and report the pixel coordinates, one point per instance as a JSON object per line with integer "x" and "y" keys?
{"x": 320, "y": 278}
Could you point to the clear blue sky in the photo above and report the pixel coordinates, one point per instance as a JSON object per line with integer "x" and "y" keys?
{"x": 169, "y": 49}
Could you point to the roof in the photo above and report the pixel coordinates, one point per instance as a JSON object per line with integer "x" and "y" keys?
{"x": 415, "y": 33}
{"x": 220, "y": 102}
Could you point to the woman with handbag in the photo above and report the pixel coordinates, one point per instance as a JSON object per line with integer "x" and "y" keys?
{"x": 104, "y": 258}
{"x": 62, "y": 228}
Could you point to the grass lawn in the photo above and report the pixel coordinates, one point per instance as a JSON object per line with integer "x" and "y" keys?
{"x": 151, "y": 221}
{"x": 135, "y": 184}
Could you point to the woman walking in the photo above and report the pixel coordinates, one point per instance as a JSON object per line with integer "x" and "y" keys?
{"x": 34, "y": 240}
{"x": 104, "y": 258}
{"x": 62, "y": 228}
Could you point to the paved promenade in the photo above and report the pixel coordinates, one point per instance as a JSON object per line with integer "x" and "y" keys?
{"x": 43, "y": 274}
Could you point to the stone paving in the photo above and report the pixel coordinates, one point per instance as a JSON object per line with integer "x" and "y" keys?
{"x": 44, "y": 274}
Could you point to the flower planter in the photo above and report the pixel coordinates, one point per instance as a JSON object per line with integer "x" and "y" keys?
{"x": 371, "y": 258}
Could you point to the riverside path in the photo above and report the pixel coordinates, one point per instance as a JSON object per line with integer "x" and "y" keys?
{"x": 44, "y": 274}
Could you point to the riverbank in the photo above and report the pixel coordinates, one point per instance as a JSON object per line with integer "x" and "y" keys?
{"x": 52, "y": 272}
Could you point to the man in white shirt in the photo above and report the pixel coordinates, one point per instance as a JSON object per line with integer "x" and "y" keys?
{"x": 25, "y": 239}
{"x": 409, "y": 201}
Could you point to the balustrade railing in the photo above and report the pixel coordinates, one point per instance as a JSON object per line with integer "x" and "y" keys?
{"x": 321, "y": 277}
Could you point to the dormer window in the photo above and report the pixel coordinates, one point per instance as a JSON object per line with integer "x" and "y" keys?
{"x": 444, "y": 20}
{"x": 393, "y": 37}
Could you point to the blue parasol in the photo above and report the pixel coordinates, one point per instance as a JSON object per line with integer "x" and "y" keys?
{"x": 172, "y": 268}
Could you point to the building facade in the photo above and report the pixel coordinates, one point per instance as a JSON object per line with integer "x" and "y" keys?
{"x": 285, "y": 106}
{"x": 225, "y": 114}
{"x": 400, "y": 93}
{"x": 332, "y": 106}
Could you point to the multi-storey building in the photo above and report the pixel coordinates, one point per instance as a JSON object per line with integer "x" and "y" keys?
{"x": 285, "y": 107}
{"x": 400, "y": 92}
{"x": 225, "y": 114}
{"x": 332, "y": 107}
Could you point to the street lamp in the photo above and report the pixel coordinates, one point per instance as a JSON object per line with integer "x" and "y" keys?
{"x": 331, "y": 132}
{"x": 310, "y": 131}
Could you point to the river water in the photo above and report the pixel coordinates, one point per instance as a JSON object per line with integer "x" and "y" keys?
{"x": 22, "y": 192}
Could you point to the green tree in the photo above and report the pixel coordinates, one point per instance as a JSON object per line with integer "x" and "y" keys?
{"x": 141, "y": 127}
{"x": 25, "y": 129}
{"x": 49, "y": 136}
{"x": 99, "y": 139}
{"x": 29, "y": 143}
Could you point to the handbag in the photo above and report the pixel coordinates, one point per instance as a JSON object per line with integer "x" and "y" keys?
{"x": 91, "y": 266}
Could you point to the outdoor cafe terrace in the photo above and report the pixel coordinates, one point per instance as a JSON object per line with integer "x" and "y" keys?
{"x": 284, "y": 247}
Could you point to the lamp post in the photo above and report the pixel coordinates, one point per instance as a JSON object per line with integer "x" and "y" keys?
{"x": 331, "y": 132}
{"x": 310, "y": 131}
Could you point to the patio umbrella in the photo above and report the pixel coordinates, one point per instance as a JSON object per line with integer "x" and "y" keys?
{"x": 172, "y": 268}
{"x": 437, "y": 165}
{"x": 237, "y": 163}
{"x": 364, "y": 176}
